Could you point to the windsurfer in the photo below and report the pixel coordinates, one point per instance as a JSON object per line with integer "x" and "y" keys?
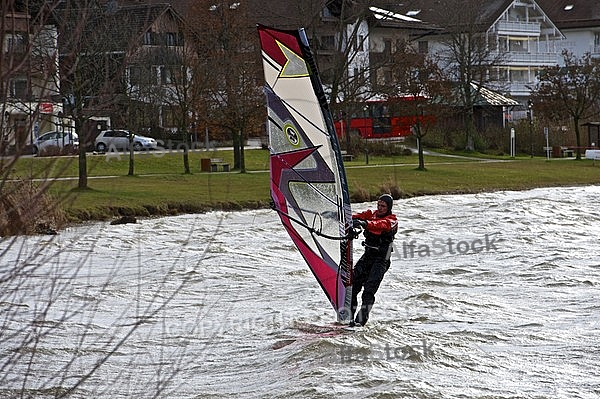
{"x": 379, "y": 228}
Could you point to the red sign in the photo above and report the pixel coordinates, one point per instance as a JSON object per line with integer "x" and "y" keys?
{"x": 46, "y": 108}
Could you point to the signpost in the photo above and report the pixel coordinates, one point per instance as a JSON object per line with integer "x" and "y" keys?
{"x": 512, "y": 142}
{"x": 547, "y": 145}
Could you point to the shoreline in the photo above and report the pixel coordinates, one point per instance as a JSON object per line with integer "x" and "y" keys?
{"x": 170, "y": 209}
{"x": 111, "y": 194}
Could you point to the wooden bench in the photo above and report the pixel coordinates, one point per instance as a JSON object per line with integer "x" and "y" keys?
{"x": 559, "y": 151}
{"x": 218, "y": 164}
{"x": 346, "y": 156}
{"x": 567, "y": 152}
{"x": 213, "y": 165}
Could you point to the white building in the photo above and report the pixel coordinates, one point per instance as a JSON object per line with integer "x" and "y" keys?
{"x": 579, "y": 21}
{"x": 519, "y": 32}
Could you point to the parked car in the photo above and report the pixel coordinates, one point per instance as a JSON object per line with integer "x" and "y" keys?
{"x": 55, "y": 142}
{"x": 119, "y": 140}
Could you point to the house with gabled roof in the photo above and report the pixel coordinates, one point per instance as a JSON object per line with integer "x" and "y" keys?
{"x": 28, "y": 70}
{"x": 154, "y": 62}
{"x": 519, "y": 29}
{"x": 579, "y": 21}
{"x": 139, "y": 46}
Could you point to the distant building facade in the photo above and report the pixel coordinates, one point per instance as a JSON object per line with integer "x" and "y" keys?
{"x": 579, "y": 21}
{"x": 29, "y": 80}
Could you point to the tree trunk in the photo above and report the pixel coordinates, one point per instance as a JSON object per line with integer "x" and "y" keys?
{"x": 469, "y": 130}
{"x": 186, "y": 153}
{"x": 131, "y": 157}
{"x": 242, "y": 159}
{"x": 420, "y": 152}
{"x": 83, "y": 143}
{"x": 577, "y": 138}
{"x": 236, "y": 151}
{"x": 82, "y": 167}
{"x": 186, "y": 160}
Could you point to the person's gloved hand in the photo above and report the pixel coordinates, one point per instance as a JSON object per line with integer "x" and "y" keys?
{"x": 359, "y": 223}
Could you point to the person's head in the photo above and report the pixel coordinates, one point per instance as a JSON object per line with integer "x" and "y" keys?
{"x": 384, "y": 205}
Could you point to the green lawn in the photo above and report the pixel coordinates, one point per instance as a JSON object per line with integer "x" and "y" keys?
{"x": 160, "y": 187}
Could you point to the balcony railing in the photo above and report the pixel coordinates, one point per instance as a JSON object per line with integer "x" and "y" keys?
{"x": 518, "y": 28}
{"x": 520, "y": 88}
{"x": 513, "y": 88}
{"x": 522, "y": 58}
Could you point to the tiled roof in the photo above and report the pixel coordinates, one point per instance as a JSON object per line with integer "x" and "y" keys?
{"x": 283, "y": 14}
{"x": 437, "y": 12}
{"x": 490, "y": 97}
{"x": 572, "y": 13}
{"x": 130, "y": 21}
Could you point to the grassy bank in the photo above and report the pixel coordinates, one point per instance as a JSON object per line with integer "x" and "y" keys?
{"x": 160, "y": 188}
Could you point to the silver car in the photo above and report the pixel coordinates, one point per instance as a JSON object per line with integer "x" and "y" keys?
{"x": 111, "y": 140}
{"x": 55, "y": 142}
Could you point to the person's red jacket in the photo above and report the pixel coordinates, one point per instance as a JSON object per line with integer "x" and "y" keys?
{"x": 377, "y": 225}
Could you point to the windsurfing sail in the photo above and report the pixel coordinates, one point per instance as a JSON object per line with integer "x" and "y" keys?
{"x": 308, "y": 182}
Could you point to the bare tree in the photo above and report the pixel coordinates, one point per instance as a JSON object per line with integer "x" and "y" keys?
{"x": 27, "y": 67}
{"x": 232, "y": 96}
{"x": 467, "y": 56}
{"x": 94, "y": 42}
{"x": 55, "y": 341}
{"x": 572, "y": 89}
{"x": 180, "y": 96}
{"x": 419, "y": 78}
{"x": 348, "y": 58}
{"x": 162, "y": 80}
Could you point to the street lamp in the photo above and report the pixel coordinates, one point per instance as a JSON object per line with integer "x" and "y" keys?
{"x": 530, "y": 119}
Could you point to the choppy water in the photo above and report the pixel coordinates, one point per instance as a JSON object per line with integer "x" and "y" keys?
{"x": 489, "y": 296}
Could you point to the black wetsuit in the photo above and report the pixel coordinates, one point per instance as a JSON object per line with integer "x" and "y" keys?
{"x": 369, "y": 271}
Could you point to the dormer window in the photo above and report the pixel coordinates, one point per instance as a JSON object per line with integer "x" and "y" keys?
{"x": 148, "y": 38}
{"x": 171, "y": 38}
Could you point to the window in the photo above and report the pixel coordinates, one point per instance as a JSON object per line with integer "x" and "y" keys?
{"x": 387, "y": 77}
{"x": 148, "y": 39}
{"x": 327, "y": 43}
{"x": 49, "y": 136}
{"x": 326, "y": 13}
{"x": 359, "y": 43}
{"x": 139, "y": 75}
{"x": 171, "y": 39}
{"x": 387, "y": 46}
{"x": 169, "y": 117}
{"x": 516, "y": 45}
{"x": 14, "y": 43}
{"x": 18, "y": 88}
{"x": 423, "y": 46}
{"x": 172, "y": 75}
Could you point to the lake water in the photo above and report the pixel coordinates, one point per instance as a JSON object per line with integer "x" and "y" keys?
{"x": 489, "y": 296}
